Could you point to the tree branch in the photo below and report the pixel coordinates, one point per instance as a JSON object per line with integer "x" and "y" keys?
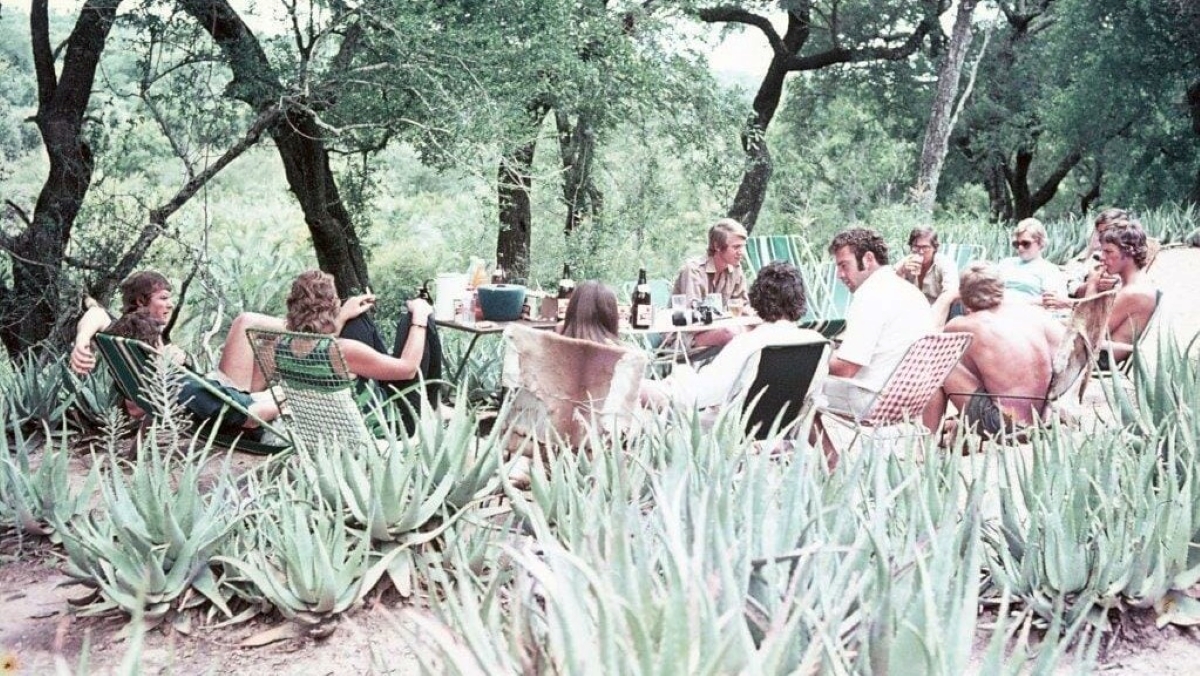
{"x": 728, "y": 14}
{"x": 854, "y": 55}
{"x": 43, "y": 56}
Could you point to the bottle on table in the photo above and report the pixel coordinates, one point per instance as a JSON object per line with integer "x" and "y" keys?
{"x": 641, "y": 315}
{"x": 566, "y": 287}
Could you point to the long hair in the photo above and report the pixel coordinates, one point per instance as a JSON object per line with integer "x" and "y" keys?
{"x": 312, "y": 304}
{"x": 138, "y": 325}
{"x": 592, "y": 313}
{"x": 138, "y": 287}
{"x": 1130, "y": 240}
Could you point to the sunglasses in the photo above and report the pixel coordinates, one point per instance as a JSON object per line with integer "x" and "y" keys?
{"x": 1022, "y": 243}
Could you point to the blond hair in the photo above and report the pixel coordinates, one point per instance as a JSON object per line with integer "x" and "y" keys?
{"x": 721, "y": 231}
{"x": 1034, "y": 228}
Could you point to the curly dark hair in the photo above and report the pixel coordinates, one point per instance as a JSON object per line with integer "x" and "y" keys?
{"x": 1106, "y": 218}
{"x": 778, "y": 292}
{"x": 861, "y": 240}
{"x": 1130, "y": 238}
{"x": 313, "y": 305}
{"x": 138, "y": 325}
{"x": 138, "y": 287}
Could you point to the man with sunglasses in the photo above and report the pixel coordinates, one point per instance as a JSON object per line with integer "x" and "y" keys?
{"x": 1028, "y": 276}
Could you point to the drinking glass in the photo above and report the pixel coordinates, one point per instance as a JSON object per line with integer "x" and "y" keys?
{"x": 736, "y": 305}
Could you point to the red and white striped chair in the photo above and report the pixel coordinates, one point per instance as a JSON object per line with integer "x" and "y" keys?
{"x": 903, "y": 397}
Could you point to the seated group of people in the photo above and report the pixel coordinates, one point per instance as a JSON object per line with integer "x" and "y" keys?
{"x": 313, "y": 306}
{"x": 1001, "y": 382}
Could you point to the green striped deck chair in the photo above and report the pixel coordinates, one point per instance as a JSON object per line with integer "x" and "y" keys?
{"x": 131, "y": 363}
{"x": 828, "y": 301}
{"x": 323, "y": 399}
{"x": 964, "y": 254}
{"x": 762, "y": 249}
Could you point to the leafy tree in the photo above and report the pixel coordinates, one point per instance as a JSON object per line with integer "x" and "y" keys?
{"x": 818, "y": 35}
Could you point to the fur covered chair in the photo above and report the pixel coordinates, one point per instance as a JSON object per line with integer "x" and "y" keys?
{"x": 561, "y": 387}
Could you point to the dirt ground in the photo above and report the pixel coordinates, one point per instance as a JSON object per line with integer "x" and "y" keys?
{"x": 36, "y": 624}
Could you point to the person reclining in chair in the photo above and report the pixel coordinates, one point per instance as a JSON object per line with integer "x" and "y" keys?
{"x": 142, "y": 325}
{"x": 1002, "y": 380}
{"x": 150, "y": 292}
{"x": 778, "y": 296}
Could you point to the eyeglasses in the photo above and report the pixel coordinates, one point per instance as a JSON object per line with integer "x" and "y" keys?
{"x": 920, "y": 248}
{"x": 1022, "y": 243}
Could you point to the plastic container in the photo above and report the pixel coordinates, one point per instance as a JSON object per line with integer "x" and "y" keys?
{"x": 501, "y": 302}
{"x": 447, "y": 288}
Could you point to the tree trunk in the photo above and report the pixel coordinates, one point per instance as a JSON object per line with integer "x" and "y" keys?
{"x": 999, "y": 199}
{"x": 937, "y": 132}
{"x": 30, "y": 310}
{"x": 1193, "y": 100}
{"x": 577, "y": 148}
{"x": 516, "y": 217}
{"x": 299, "y": 140}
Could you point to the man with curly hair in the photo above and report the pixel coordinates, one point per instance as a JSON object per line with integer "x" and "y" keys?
{"x": 779, "y": 298}
{"x": 1123, "y": 253}
{"x": 886, "y": 316}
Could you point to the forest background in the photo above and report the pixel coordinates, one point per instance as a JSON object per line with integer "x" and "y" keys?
{"x": 233, "y": 144}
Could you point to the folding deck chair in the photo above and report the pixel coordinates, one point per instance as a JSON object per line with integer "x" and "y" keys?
{"x": 902, "y": 399}
{"x": 321, "y": 397}
{"x": 777, "y": 395}
{"x": 131, "y": 363}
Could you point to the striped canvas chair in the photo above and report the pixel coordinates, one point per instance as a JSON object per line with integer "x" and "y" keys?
{"x": 321, "y": 399}
{"x": 131, "y": 363}
{"x": 908, "y": 390}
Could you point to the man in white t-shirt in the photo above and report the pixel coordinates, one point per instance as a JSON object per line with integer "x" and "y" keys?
{"x": 886, "y": 316}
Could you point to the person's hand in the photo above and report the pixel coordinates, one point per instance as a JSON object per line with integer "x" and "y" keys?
{"x": 420, "y": 311}
{"x": 356, "y": 305}
{"x": 83, "y": 361}
{"x": 1053, "y": 301}
{"x": 1106, "y": 282}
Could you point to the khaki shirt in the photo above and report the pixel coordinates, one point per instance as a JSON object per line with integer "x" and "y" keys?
{"x": 700, "y": 277}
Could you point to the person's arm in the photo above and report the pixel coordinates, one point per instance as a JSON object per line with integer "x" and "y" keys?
{"x": 842, "y": 368}
{"x": 364, "y": 361}
{"x": 941, "y": 307}
{"x": 95, "y": 320}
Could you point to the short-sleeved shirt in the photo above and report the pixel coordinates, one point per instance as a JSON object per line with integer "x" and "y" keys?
{"x": 1026, "y": 281}
{"x": 700, "y": 277}
{"x": 886, "y": 316}
{"x": 941, "y": 277}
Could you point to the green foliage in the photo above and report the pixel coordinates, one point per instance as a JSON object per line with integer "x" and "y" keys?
{"x": 37, "y": 392}
{"x": 35, "y": 501}
{"x": 154, "y": 536}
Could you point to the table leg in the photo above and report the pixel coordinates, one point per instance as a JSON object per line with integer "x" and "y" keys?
{"x": 466, "y": 358}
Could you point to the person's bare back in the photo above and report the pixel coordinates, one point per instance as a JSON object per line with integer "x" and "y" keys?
{"x": 1011, "y": 355}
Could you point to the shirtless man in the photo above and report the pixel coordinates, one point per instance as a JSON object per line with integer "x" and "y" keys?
{"x": 1010, "y": 357}
{"x": 1123, "y": 253}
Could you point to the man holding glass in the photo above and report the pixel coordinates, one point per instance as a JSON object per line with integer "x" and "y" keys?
{"x": 931, "y": 272}
{"x": 720, "y": 272}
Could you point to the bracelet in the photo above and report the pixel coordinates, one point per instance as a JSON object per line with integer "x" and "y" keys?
{"x": 420, "y": 326}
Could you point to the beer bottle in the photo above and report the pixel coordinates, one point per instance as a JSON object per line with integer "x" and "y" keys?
{"x": 566, "y": 287}
{"x": 641, "y": 315}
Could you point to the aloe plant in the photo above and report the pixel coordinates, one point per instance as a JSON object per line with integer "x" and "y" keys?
{"x": 302, "y": 556}
{"x": 154, "y": 535}
{"x": 37, "y": 392}
{"x": 35, "y": 501}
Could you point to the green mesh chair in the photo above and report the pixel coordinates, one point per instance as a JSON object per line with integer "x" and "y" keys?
{"x": 762, "y": 249}
{"x": 132, "y": 364}
{"x": 321, "y": 400}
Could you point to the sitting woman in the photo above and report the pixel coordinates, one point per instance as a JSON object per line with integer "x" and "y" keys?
{"x": 144, "y": 326}
{"x": 313, "y": 307}
{"x": 779, "y": 298}
{"x": 592, "y": 314}
{"x": 1027, "y": 276}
